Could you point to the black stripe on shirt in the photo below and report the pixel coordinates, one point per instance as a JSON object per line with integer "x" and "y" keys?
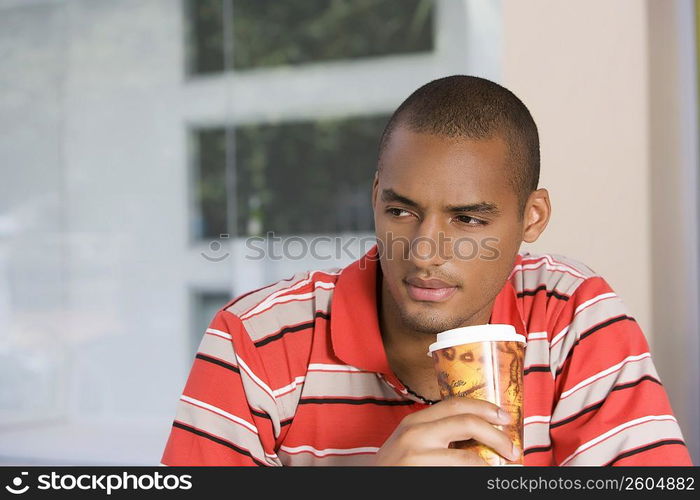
{"x": 290, "y": 329}
{"x": 599, "y": 404}
{"x": 537, "y": 368}
{"x": 604, "y": 324}
{"x": 215, "y": 361}
{"x": 590, "y": 332}
{"x": 361, "y": 401}
{"x": 636, "y": 382}
{"x": 218, "y": 440}
{"x": 648, "y": 447}
{"x": 539, "y": 449}
{"x": 579, "y": 414}
{"x": 260, "y": 414}
{"x": 550, "y": 293}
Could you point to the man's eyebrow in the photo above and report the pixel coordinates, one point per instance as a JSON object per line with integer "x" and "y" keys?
{"x": 391, "y": 195}
{"x": 483, "y": 207}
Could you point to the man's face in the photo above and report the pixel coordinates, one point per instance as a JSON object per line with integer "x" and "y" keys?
{"x": 444, "y": 210}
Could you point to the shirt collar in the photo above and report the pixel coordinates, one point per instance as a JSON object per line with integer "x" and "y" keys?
{"x": 355, "y": 333}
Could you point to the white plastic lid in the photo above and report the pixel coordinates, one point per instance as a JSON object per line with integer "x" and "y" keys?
{"x": 476, "y": 333}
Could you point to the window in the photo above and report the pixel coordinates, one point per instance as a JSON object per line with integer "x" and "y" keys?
{"x": 264, "y": 33}
{"x": 210, "y": 183}
{"x": 303, "y": 177}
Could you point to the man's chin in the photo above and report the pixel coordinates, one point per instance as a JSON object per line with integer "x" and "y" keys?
{"x": 428, "y": 322}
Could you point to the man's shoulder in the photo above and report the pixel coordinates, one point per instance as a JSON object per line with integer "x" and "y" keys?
{"x": 557, "y": 287}
{"x": 286, "y": 303}
{"x": 552, "y": 271}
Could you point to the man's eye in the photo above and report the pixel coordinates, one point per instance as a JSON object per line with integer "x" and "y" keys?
{"x": 471, "y": 221}
{"x": 398, "y": 212}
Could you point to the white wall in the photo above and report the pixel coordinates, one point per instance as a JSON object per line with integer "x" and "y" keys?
{"x": 581, "y": 68}
{"x": 602, "y": 80}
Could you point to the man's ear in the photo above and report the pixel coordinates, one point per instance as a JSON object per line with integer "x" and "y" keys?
{"x": 538, "y": 209}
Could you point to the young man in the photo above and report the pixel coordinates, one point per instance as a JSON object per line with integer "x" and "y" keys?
{"x": 330, "y": 367}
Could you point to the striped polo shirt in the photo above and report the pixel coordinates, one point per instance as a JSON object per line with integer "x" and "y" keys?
{"x": 296, "y": 374}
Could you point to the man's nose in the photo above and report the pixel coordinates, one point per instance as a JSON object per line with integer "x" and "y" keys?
{"x": 430, "y": 245}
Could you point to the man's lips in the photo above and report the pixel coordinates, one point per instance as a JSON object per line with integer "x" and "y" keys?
{"x": 431, "y": 283}
{"x": 432, "y": 290}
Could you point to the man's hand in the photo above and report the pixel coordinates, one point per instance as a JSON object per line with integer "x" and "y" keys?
{"x": 423, "y": 437}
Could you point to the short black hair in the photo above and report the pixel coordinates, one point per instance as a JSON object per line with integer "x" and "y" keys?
{"x": 474, "y": 108}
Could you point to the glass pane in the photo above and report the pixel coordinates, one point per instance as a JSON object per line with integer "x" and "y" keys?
{"x": 307, "y": 177}
{"x": 293, "y": 178}
{"x": 272, "y": 33}
{"x": 210, "y": 182}
{"x": 205, "y": 36}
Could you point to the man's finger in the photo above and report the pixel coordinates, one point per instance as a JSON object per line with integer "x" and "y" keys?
{"x": 440, "y": 433}
{"x": 456, "y": 406}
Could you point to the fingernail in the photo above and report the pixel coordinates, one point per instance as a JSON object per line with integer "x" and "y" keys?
{"x": 503, "y": 415}
{"x": 515, "y": 454}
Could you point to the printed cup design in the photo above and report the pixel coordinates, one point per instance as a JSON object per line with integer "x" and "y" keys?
{"x": 489, "y": 370}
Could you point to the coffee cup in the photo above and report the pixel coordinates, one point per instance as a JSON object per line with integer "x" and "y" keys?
{"x": 483, "y": 362}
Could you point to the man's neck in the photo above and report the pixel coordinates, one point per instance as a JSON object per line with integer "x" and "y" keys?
{"x": 407, "y": 349}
